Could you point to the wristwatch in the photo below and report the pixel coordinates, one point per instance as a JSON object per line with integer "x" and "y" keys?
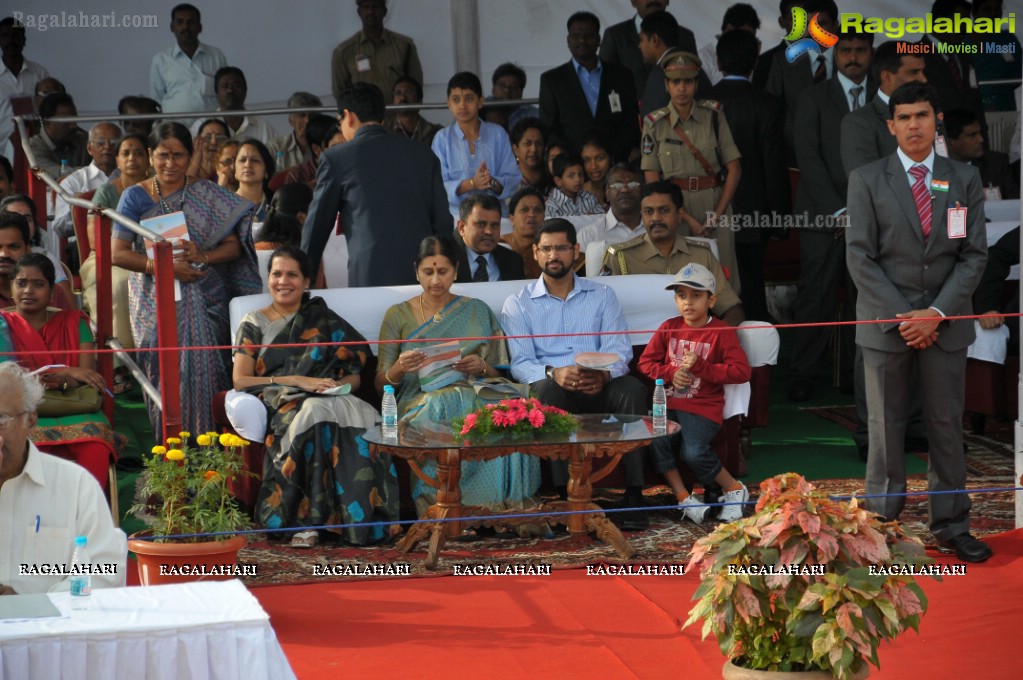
{"x": 549, "y": 372}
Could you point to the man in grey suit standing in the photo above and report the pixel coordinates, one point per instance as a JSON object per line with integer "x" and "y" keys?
{"x": 916, "y": 249}
{"x": 865, "y": 134}
{"x": 387, "y": 190}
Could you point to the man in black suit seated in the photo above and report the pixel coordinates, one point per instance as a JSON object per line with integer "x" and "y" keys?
{"x": 588, "y": 94}
{"x": 756, "y": 121}
{"x": 621, "y": 43}
{"x": 479, "y": 233}
{"x": 966, "y": 145}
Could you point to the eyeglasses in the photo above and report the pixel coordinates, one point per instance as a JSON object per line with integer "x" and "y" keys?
{"x": 215, "y": 138}
{"x": 103, "y": 142}
{"x": 6, "y": 420}
{"x": 547, "y": 250}
{"x": 619, "y": 186}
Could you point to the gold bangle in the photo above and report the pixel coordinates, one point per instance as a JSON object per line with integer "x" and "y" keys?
{"x": 387, "y": 376}
{"x": 272, "y": 380}
{"x": 472, "y": 182}
{"x": 150, "y": 266}
{"x": 206, "y": 257}
{"x": 485, "y": 367}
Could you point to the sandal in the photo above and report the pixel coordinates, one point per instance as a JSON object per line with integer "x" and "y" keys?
{"x": 305, "y": 539}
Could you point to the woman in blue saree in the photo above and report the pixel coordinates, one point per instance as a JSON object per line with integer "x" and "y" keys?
{"x": 217, "y": 263}
{"x": 438, "y": 314}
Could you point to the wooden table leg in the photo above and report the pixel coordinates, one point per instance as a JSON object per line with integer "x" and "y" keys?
{"x": 580, "y": 490}
{"x": 449, "y": 490}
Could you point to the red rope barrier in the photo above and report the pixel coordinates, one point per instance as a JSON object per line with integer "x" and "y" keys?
{"x": 503, "y": 337}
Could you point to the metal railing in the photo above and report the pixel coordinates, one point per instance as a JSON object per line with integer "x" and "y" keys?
{"x": 168, "y": 397}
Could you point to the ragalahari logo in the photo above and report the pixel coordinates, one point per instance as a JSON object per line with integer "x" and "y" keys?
{"x": 819, "y": 41}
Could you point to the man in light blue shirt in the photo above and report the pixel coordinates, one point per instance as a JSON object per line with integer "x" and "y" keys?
{"x": 561, "y": 302}
{"x": 181, "y": 78}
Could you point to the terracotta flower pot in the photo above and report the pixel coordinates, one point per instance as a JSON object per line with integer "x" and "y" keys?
{"x": 162, "y": 563}
{"x": 733, "y": 672}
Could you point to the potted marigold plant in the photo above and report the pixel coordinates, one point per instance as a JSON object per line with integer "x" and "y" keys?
{"x": 186, "y": 487}
{"x": 513, "y": 418}
{"x": 807, "y": 584}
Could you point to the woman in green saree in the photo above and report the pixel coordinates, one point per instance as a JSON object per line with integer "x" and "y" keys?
{"x": 317, "y": 469}
{"x": 439, "y": 314}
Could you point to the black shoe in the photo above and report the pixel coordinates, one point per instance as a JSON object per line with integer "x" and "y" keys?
{"x": 635, "y": 520}
{"x": 711, "y": 495}
{"x": 800, "y": 390}
{"x": 966, "y": 547}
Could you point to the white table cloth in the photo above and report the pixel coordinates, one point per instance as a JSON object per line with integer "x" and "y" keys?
{"x": 202, "y": 630}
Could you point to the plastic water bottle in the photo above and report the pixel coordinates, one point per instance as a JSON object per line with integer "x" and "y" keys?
{"x": 389, "y": 411}
{"x": 65, "y": 169}
{"x": 279, "y": 159}
{"x": 660, "y": 408}
{"x": 81, "y": 583}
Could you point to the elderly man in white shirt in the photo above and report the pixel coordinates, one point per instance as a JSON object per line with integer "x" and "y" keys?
{"x": 181, "y": 78}
{"x": 622, "y": 221}
{"x": 102, "y": 147}
{"x": 45, "y": 502}
{"x": 292, "y": 146}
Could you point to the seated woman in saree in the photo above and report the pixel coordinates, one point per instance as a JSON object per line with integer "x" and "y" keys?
{"x": 45, "y": 336}
{"x": 216, "y": 264}
{"x": 437, "y": 313}
{"x": 318, "y": 470}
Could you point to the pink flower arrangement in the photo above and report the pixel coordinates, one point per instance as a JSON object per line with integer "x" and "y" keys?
{"x": 514, "y": 417}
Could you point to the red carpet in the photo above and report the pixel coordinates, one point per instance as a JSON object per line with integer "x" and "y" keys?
{"x": 570, "y": 625}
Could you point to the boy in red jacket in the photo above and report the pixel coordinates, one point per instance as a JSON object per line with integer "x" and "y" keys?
{"x": 695, "y": 360}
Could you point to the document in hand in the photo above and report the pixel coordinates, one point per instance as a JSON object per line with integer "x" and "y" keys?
{"x": 172, "y": 227}
{"x": 437, "y": 371}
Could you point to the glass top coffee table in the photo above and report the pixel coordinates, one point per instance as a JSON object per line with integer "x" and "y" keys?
{"x": 598, "y": 435}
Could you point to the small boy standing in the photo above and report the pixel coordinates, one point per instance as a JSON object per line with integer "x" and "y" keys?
{"x": 475, "y": 156}
{"x": 695, "y": 360}
{"x": 568, "y": 198}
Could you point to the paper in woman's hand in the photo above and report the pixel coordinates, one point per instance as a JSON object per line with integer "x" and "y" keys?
{"x": 437, "y": 370}
{"x": 340, "y": 390}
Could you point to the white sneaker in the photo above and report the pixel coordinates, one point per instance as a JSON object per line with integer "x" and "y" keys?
{"x": 730, "y": 513}
{"x": 693, "y": 510}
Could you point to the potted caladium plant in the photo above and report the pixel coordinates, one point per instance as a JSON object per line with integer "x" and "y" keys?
{"x": 807, "y": 584}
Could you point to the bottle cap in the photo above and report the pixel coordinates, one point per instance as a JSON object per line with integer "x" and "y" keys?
{"x": 81, "y": 541}
{"x": 660, "y": 381}
{"x": 388, "y": 389}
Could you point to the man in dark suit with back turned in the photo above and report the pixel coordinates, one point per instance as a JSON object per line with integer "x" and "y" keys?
{"x": 756, "y": 121}
{"x": 916, "y": 251}
{"x": 620, "y": 45}
{"x": 587, "y": 94}
{"x": 480, "y": 257}
{"x": 387, "y": 189}
{"x": 820, "y": 197}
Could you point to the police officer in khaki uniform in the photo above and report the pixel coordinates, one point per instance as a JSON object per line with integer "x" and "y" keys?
{"x": 664, "y": 250}
{"x": 690, "y": 144}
